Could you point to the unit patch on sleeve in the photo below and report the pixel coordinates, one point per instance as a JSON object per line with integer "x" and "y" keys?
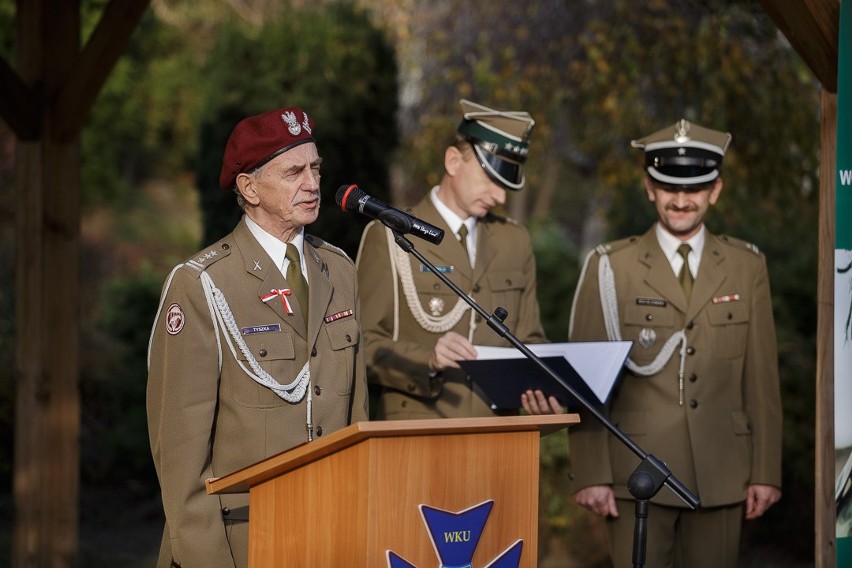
{"x": 175, "y": 319}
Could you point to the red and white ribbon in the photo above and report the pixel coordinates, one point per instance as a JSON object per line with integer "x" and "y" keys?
{"x": 280, "y": 293}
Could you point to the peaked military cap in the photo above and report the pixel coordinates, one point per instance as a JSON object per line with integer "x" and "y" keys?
{"x": 258, "y": 139}
{"x": 500, "y": 140}
{"x": 684, "y": 154}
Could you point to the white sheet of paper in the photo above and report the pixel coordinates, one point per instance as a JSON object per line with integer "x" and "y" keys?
{"x": 597, "y": 362}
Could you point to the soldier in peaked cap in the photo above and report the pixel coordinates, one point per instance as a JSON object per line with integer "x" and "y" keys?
{"x": 701, "y": 390}
{"x": 256, "y": 345}
{"x": 415, "y": 327}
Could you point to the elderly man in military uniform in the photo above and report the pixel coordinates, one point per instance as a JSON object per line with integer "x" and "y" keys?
{"x": 256, "y": 345}
{"x": 415, "y": 327}
{"x": 701, "y": 390}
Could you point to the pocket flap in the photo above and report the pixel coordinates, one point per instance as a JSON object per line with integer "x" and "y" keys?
{"x": 500, "y": 281}
{"x": 342, "y": 333}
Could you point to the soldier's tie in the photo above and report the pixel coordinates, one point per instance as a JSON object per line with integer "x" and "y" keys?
{"x": 463, "y": 240}
{"x": 295, "y": 278}
{"x": 685, "y": 277}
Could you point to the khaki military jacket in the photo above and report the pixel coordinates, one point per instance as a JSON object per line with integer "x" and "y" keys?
{"x": 722, "y": 432}
{"x": 207, "y": 417}
{"x": 397, "y": 344}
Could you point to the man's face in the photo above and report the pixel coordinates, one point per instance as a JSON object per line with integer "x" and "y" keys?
{"x": 473, "y": 193}
{"x": 682, "y": 212}
{"x": 284, "y": 194}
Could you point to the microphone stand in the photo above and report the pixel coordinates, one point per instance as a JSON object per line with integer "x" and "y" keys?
{"x": 649, "y": 476}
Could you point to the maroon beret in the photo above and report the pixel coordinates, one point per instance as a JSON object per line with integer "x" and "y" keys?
{"x": 259, "y": 138}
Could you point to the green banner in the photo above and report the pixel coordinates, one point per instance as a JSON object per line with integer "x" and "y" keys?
{"x": 843, "y": 294}
{"x": 844, "y": 131}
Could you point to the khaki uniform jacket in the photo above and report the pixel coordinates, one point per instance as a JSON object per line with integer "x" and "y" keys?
{"x": 504, "y": 276}
{"x": 208, "y": 418}
{"x": 727, "y": 433}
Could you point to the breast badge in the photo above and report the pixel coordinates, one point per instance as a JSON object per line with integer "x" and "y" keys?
{"x": 436, "y": 306}
{"x": 647, "y": 338}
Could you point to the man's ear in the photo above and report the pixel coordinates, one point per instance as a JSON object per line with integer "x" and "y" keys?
{"x": 649, "y": 187}
{"x": 452, "y": 160}
{"x": 714, "y": 193}
{"x": 247, "y": 186}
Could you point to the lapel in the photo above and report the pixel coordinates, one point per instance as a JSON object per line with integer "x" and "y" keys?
{"x": 269, "y": 278}
{"x": 710, "y": 277}
{"x": 658, "y": 274}
{"x": 449, "y": 254}
{"x": 320, "y": 289}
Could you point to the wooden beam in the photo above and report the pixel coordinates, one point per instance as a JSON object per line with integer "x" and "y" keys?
{"x": 811, "y": 27}
{"x": 18, "y": 104}
{"x": 107, "y": 43}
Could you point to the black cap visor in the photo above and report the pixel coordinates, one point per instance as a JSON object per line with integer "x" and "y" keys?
{"x": 507, "y": 174}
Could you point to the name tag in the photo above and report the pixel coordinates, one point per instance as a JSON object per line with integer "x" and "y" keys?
{"x": 443, "y": 269}
{"x": 658, "y": 302}
{"x": 261, "y": 328}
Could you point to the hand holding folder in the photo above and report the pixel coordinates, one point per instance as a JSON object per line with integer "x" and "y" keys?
{"x": 500, "y": 374}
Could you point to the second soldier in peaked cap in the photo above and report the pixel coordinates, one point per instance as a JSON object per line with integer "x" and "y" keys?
{"x": 416, "y": 329}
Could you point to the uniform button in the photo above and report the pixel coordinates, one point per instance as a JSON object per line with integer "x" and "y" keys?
{"x": 314, "y": 351}
{"x": 478, "y": 319}
{"x": 317, "y": 390}
{"x": 411, "y": 387}
{"x": 226, "y": 511}
{"x": 649, "y": 317}
{"x": 730, "y": 316}
{"x": 690, "y": 350}
{"x": 508, "y": 282}
{"x": 226, "y": 246}
{"x": 476, "y": 289}
{"x": 693, "y": 377}
{"x": 436, "y": 286}
{"x": 690, "y": 325}
{"x": 319, "y": 430}
{"x": 262, "y": 352}
{"x": 693, "y": 403}
{"x": 348, "y": 338}
{"x": 404, "y": 403}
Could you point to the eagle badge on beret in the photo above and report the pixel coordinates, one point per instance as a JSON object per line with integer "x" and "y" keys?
{"x": 293, "y": 125}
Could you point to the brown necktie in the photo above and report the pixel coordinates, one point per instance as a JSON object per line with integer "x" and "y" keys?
{"x": 463, "y": 240}
{"x": 295, "y": 278}
{"x": 685, "y": 277}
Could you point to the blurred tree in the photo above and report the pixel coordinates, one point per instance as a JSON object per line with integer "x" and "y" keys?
{"x": 336, "y": 65}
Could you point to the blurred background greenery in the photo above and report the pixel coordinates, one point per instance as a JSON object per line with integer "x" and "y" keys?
{"x": 382, "y": 79}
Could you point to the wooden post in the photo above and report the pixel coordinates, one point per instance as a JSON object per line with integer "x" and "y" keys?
{"x": 46, "y": 473}
{"x": 50, "y": 96}
{"x": 825, "y": 553}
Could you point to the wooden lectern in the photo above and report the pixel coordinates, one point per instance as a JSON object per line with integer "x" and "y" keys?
{"x": 345, "y": 499}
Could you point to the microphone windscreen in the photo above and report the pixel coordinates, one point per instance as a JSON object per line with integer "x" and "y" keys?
{"x": 348, "y": 196}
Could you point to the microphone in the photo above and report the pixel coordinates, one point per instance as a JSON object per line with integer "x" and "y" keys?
{"x": 352, "y": 198}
